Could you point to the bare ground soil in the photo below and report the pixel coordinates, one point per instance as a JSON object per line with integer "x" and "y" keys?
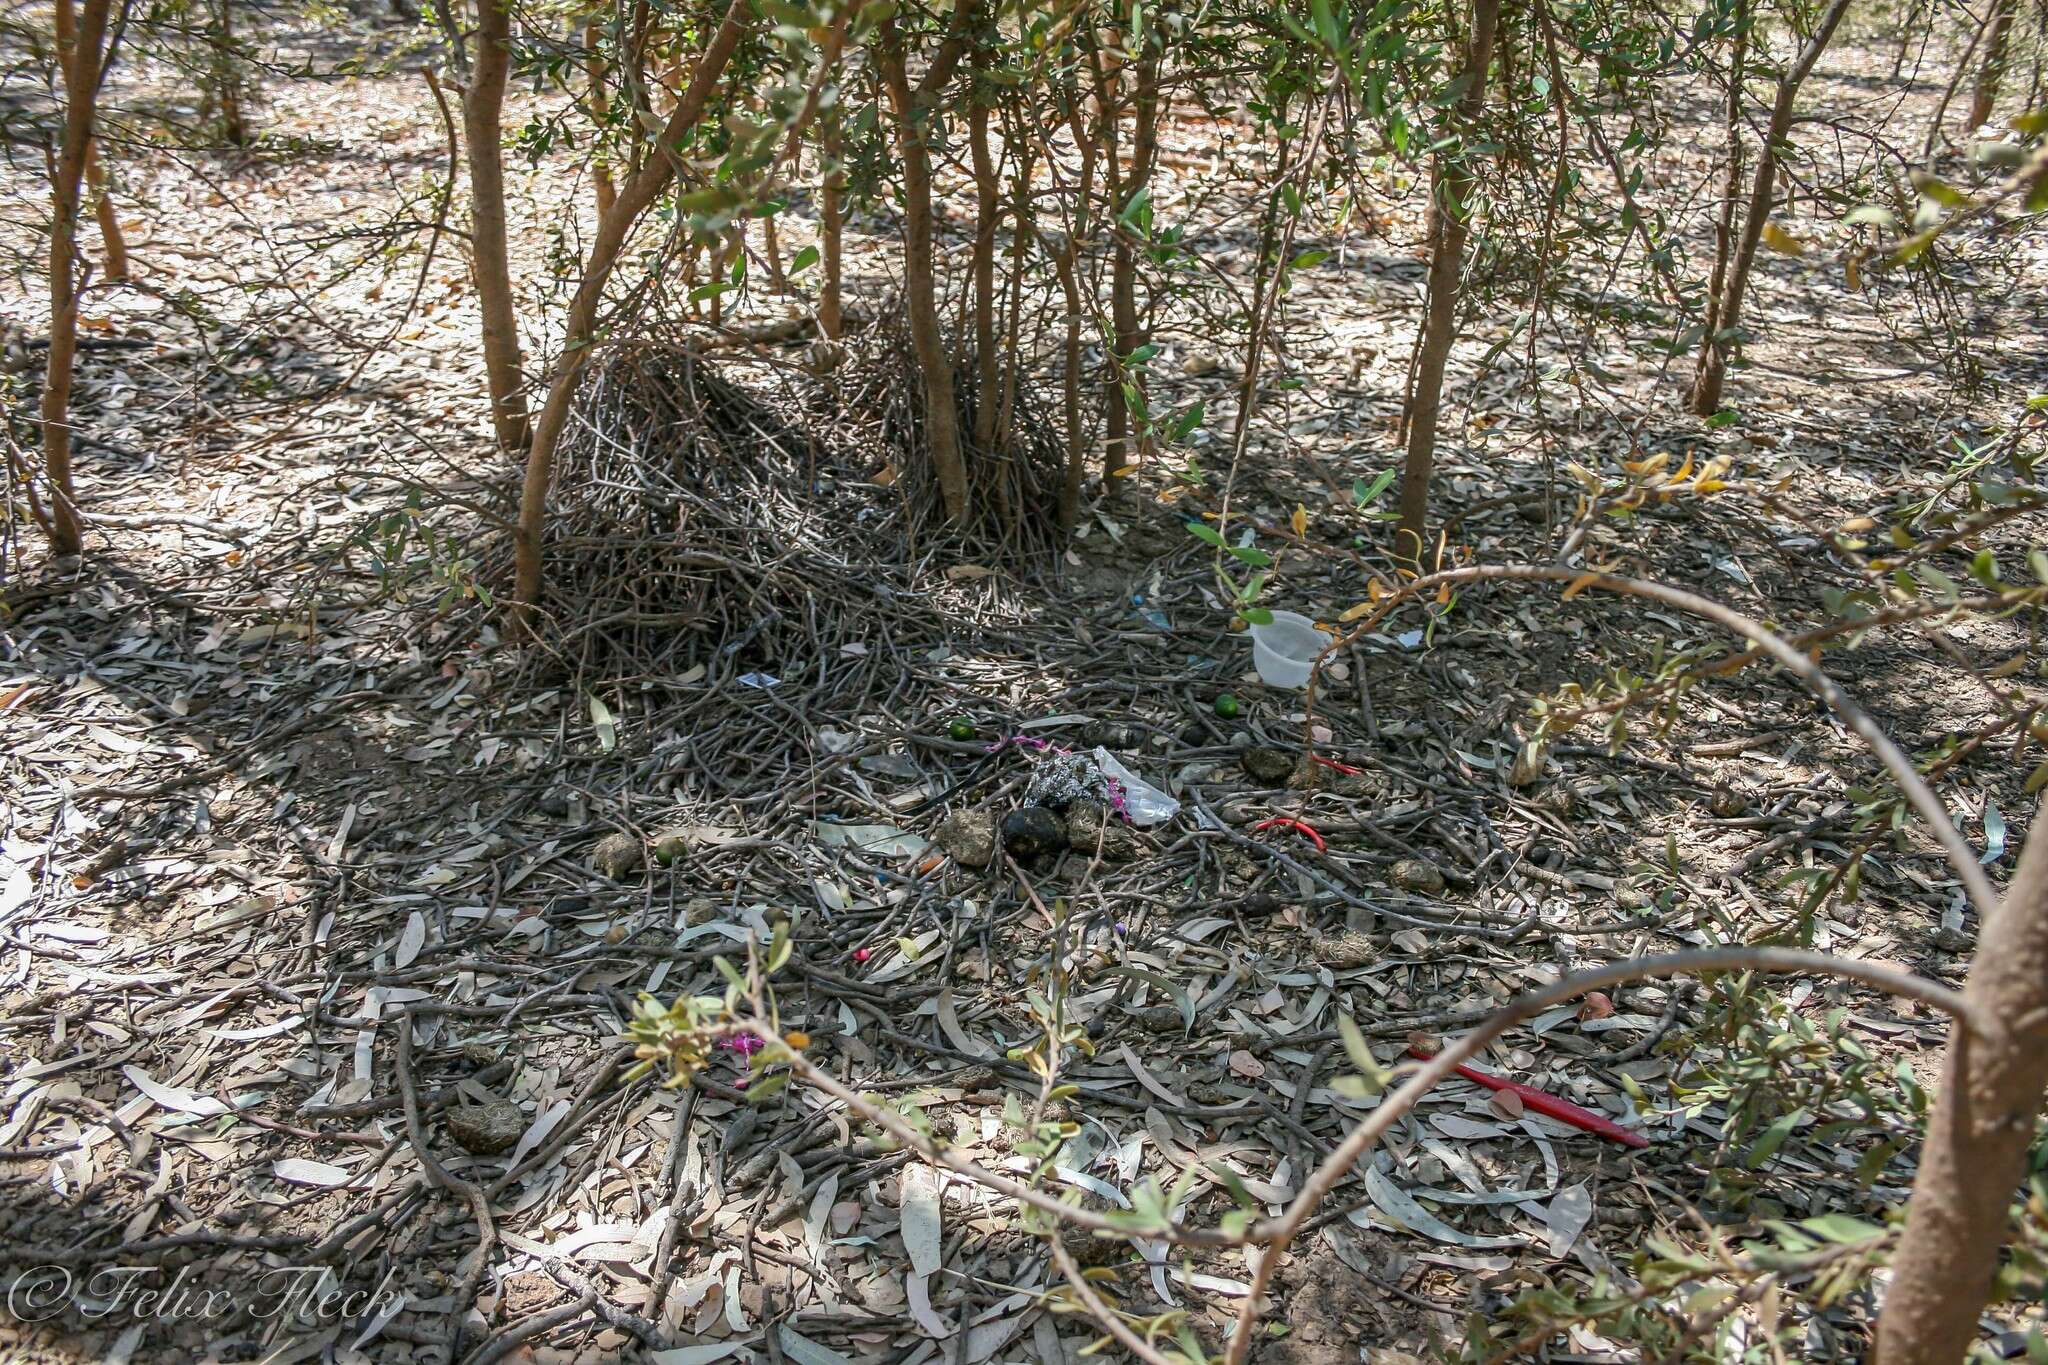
{"x": 265, "y": 808}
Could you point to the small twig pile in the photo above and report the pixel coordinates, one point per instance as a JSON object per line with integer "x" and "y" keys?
{"x": 1013, "y": 512}
{"x": 697, "y": 518}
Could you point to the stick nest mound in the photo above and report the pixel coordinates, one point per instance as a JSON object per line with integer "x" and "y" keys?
{"x": 698, "y": 509}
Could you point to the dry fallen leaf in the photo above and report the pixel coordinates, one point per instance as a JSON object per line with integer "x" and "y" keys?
{"x": 1246, "y": 1065}
{"x": 1505, "y": 1103}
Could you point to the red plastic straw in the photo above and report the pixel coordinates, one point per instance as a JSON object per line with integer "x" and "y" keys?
{"x": 1543, "y": 1102}
{"x": 1289, "y": 822}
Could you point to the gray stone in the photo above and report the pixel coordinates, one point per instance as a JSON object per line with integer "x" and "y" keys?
{"x": 1087, "y": 827}
{"x": 618, "y": 856}
{"x": 969, "y": 837}
{"x": 486, "y": 1129}
{"x": 1270, "y": 766}
{"x": 1413, "y": 874}
{"x": 1033, "y": 832}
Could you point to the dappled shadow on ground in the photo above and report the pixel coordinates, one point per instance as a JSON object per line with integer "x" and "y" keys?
{"x": 271, "y": 832}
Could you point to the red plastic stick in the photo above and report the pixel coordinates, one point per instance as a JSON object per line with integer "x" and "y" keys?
{"x": 1289, "y": 822}
{"x": 1543, "y": 1102}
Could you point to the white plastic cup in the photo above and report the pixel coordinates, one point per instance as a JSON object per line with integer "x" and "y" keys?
{"x": 1285, "y": 649}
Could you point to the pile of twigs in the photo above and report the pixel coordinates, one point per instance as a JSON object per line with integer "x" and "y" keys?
{"x": 697, "y": 518}
{"x": 1015, "y": 479}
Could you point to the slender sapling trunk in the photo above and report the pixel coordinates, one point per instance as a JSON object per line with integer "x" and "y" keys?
{"x": 635, "y": 198}
{"x": 81, "y": 41}
{"x": 1725, "y": 310}
{"x": 490, "y": 266}
{"x": 1452, "y": 190}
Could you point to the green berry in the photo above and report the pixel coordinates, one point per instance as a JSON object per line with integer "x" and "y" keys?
{"x": 1226, "y": 705}
{"x": 962, "y": 731}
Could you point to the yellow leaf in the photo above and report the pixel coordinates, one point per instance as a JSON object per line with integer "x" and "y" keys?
{"x": 1123, "y": 471}
{"x": 1683, "y": 469}
{"x": 1353, "y": 613}
{"x": 1580, "y": 584}
{"x": 1300, "y": 521}
{"x": 1777, "y": 239}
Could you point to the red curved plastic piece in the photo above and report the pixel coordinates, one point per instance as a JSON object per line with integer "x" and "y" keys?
{"x": 1543, "y": 1102}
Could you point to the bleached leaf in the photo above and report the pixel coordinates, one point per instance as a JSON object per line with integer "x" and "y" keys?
{"x": 170, "y": 1096}
{"x": 299, "y": 1171}
{"x": 697, "y": 1355}
{"x": 1401, "y": 1208}
{"x": 922, "y": 1231}
{"x": 537, "y": 1132}
{"x": 410, "y": 940}
{"x": 804, "y": 1351}
{"x": 1567, "y": 1215}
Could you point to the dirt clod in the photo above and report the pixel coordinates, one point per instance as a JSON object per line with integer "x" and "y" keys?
{"x": 1086, "y": 829}
{"x": 1414, "y": 874}
{"x": 1033, "y": 832}
{"x": 1270, "y": 766}
{"x": 618, "y": 856}
{"x": 486, "y": 1129}
{"x": 969, "y": 837}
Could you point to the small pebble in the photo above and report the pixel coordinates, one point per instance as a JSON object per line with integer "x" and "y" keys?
{"x": 486, "y": 1129}
{"x": 617, "y": 856}
{"x": 1032, "y": 832}
{"x": 1413, "y": 874}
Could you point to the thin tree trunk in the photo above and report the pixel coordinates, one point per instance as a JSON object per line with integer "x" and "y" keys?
{"x": 1123, "y": 296}
{"x": 983, "y": 264}
{"x": 227, "y": 91}
{"x": 1727, "y": 311}
{"x": 1070, "y": 391}
{"x": 113, "y": 242}
{"x": 1731, "y": 189}
{"x": 1937, "y": 125}
{"x": 1116, "y": 416}
{"x": 771, "y": 254}
{"x": 1977, "y": 1138}
{"x": 831, "y": 224}
{"x": 483, "y": 107}
{"x": 942, "y": 413}
{"x": 1022, "y": 234}
{"x": 1992, "y": 72}
{"x": 1068, "y": 264}
{"x": 1451, "y": 192}
{"x": 634, "y": 199}
{"x": 81, "y": 36}
{"x": 600, "y": 115}
{"x": 1909, "y": 27}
